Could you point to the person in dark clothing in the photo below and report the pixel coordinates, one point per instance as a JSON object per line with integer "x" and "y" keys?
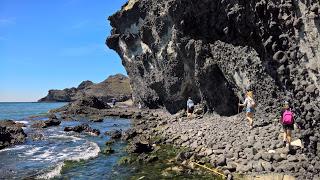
{"x": 114, "y": 101}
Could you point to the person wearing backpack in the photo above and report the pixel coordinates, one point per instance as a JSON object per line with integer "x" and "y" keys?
{"x": 250, "y": 105}
{"x": 190, "y": 107}
{"x": 287, "y": 121}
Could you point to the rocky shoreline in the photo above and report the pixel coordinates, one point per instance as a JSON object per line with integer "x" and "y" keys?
{"x": 224, "y": 143}
{"x": 230, "y": 146}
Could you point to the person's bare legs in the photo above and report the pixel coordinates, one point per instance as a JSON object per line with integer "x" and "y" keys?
{"x": 289, "y": 136}
{"x": 284, "y": 135}
{"x": 249, "y": 116}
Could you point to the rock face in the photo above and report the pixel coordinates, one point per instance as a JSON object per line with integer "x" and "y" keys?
{"x": 11, "y": 133}
{"x": 214, "y": 50}
{"x": 116, "y": 86}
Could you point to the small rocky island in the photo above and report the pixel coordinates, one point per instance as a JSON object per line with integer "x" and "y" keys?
{"x": 116, "y": 86}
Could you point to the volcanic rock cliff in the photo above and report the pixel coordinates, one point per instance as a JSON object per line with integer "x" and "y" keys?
{"x": 214, "y": 50}
{"x": 116, "y": 86}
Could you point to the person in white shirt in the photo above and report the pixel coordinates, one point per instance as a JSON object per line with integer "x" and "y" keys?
{"x": 250, "y": 105}
{"x": 190, "y": 107}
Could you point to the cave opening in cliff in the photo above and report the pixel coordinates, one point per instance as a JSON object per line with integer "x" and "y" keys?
{"x": 218, "y": 92}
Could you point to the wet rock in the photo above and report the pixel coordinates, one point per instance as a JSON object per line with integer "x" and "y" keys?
{"x": 36, "y": 137}
{"x": 52, "y": 122}
{"x": 11, "y": 133}
{"x": 107, "y": 150}
{"x": 139, "y": 146}
{"x": 46, "y": 124}
{"x": 114, "y": 134}
{"x": 83, "y": 128}
{"x": 109, "y": 142}
{"x": 96, "y": 119}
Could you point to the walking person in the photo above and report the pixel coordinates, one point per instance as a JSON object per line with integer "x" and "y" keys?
{"x": 287, "y": 121}
{"x": 250, "y": 105}
{"x": 190, "y": 107}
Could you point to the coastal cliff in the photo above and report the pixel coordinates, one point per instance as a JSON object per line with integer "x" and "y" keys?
{"x": 116, "y": 86}
{"x": 214, "y": 51}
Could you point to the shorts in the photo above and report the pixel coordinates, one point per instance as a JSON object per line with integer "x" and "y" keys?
{"x": 251, "y": 110}
{"x": 287, "y": 126}
{"x": 190, "y": 110}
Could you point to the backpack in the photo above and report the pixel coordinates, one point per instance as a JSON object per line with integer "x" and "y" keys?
{"x": 287, "y": 117}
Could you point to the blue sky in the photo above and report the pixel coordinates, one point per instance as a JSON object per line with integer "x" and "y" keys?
{"x": 54, "y": 44}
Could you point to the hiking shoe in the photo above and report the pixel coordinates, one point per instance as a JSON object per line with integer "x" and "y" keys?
{"x": 288, "y": 146}
{"x": 284, "y": 143}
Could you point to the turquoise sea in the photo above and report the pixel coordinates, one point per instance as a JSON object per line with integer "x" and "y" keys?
{"x": 60, "y": 155}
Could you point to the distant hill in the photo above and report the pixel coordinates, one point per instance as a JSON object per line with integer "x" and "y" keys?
{"x": 116, "y": 86}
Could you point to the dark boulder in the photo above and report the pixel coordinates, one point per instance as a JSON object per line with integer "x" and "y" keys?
{"x": 114, "y": 134}
{"x": 109, "y": 142}
{"x": 11, "y": 133}
{"x": 52, "y": 122}
{"x": 46, "y": 124}
{"x": 108, "y": 150}
{"x": 139, "y": 146}
{"x": 83, "y": 128}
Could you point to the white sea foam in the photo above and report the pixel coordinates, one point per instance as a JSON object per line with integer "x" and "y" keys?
{"x": 23, "y": 122}
{"x": 19, "y": 147}
{"x": 90, "y": 152}
{"x": 55, "y": 172}
{"x": 32, "y": 151}
{"x": 60, "y": 136}
{"x": 84, "y": 152}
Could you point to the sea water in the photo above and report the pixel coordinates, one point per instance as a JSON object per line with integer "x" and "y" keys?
{"x": 59, "y": 154}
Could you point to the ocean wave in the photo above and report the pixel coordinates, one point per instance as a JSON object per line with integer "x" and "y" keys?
{"x": 17, "y": 147}
{"x": 32, "y": 151}
{"x": 60, "y": 136}
{"x": 53, "y": 173}
{"x": 86, "y": 151}
{"x": 23, "y": 122}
